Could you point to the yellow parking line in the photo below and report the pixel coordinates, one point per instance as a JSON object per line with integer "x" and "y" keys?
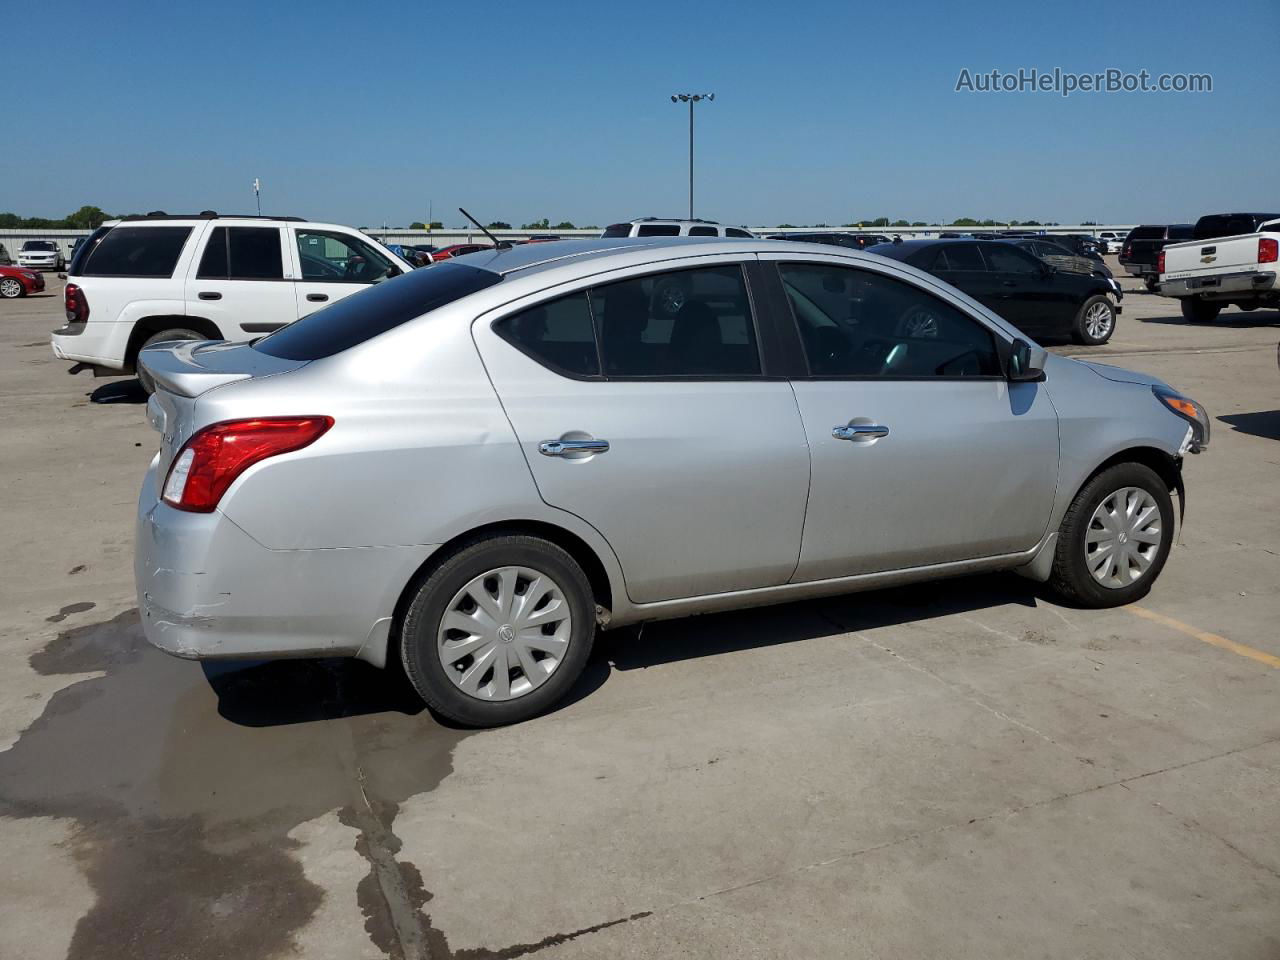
{"x": 1205, "y": 637}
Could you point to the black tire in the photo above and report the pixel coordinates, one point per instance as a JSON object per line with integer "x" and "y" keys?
{"x": 176, "y": 333}
{"x": 1070, "y": 579}
{"x": 1079, "y": 331}
{"x": 418, "y": 651}
{"x": 1200, "y": 311}
{"x": 1151, "y": 284}
{"x": 11, "y": 288}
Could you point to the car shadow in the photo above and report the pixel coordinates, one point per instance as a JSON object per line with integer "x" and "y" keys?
{"x": 692, "y": 638}
{"x": 1264, "y": 423}
{"x": 1238, "y": 320}
{"x": 119, "y": 391}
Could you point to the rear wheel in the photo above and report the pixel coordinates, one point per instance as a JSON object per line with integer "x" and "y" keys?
{"x": 177, "y": 333}
{"x": 500, "y": 631}
{"x": 1095, "y": 322}
{"x": 1200, "y": 311}
{"x": 11, "y": 288}
{"x": 1151, "y": 283}
{"x": 1115, "y": 538}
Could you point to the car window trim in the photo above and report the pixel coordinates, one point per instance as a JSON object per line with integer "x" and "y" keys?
{"x": 998, "y": 340}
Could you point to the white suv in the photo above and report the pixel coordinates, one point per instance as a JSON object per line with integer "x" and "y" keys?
{"x": 660, "y": 227}
{"x": 143, "y": 280}
{"x": 40, "y": 255}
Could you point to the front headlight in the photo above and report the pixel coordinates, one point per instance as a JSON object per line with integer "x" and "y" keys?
{"x": 28, "y": 274}
{"x": 1188, "y": 410}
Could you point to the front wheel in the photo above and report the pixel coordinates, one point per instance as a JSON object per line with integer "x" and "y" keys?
{"x": 1095, "y": 322}
{"x": 1200, "y": 311}
{"x": 177, "y": 333}
{"x": 500, "y": 631}
{"x": 11, "y": 288}
{"x": 1114, "y": 539}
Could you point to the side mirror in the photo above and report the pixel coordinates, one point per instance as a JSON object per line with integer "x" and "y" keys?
{"x": 1025, "y": 364}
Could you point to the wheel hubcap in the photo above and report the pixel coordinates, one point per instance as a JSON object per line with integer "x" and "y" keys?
{"x": 504, "y": 634}
{"x": 1097, "y": 321}
{"x": 1123, "y": 538}
{"x": 10, "y": 288}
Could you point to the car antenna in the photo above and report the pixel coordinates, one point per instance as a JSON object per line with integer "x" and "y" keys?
{"x": 497, "y": 244}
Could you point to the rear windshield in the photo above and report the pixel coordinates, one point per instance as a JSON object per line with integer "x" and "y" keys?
{"x": 135, "y": 252}
{"x": 1147, "y": 233}
{"x": 617, "y": 230}
{"x": 364, "y": 315}
{"x": 39, "y": 245}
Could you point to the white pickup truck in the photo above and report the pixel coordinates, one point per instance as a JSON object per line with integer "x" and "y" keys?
{"x": 1234, "y": 259}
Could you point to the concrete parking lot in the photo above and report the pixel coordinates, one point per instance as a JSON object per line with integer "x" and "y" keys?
{"x": 953, "y": 770}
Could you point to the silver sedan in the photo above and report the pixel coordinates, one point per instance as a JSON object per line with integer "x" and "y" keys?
{"x": 473, "y": 468}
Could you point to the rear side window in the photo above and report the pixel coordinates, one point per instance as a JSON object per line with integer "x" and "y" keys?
{"x": 136, "y": 252}
{"x": 658, "y": 230}
{"x": 559, "y": 335}
{"x": 684, "y": 323}
{"x": 702, "y": 232}
{"x": 242, "y": 253}
{"x": 960, "y": 256}
{"x": 617, "y": 230}
{"x": 735, "y": 232}
{"x": 366, "y": 314}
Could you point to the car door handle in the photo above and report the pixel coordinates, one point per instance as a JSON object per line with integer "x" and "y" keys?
{"x": 1009, "y": 283}
{"x": 859, "y": 432}
{"x": 209, "y": 295}
{"x": 568, "y": 448}
{"x": 317, "y": 297}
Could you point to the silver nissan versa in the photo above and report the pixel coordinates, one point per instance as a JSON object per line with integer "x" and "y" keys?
{"x": 475, "y": 466}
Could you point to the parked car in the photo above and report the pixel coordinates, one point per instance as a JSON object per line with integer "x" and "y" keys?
{"x": 835, "y": 238}
{"x": 1234, "y": 259}
{"x": 75, "y": 247}
{"x": 19, "y": 281}
{"x": 1110, "y": 241}
{"x": 148, "y": 279}
{"x": 1138, "y": 253}
{"x": 662, "y": 227}
{"x": 41, "y": 255}
{"x": 1081, "y": 244}
{"x": 625, "y": 433}
{"x": 1046, "y": 249}
{"x": 1035, "y": 297}
{"x": 5, "y": 259}
{"x": 458, "y": 250}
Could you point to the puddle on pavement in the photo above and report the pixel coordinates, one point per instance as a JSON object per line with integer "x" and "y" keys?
{"x": 186, "y": 779}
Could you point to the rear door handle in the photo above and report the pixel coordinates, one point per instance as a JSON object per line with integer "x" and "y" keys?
{"x": 859, "y": 432}
{"x": 572, "y": 448}
{"x": 209, "y": 295}
{"x": 317, "y": 297}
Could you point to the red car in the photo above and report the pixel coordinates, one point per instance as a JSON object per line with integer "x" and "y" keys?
{"x": 19, "y": 281}
{"x": 457, "y": 250}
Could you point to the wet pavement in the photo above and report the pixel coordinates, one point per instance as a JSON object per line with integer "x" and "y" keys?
{"x": 955, "y": 770}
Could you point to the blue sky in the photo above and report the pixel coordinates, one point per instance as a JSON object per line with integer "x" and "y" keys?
{"x": 825, "y": 111}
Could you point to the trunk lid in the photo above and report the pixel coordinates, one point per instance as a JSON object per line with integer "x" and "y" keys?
{"x": 186, "y": 370}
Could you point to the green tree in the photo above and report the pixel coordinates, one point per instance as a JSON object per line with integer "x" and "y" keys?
{"x": 564, "y": 225}
{"x": 919, "y": 223}
{"x": 436, "y": 225}
{"x": 900, "y": 223}
{"x": 543, "y": 224}
{"x": 499, "y": 225}
{"x": 417, "y": 225}
{"x": 87, "y": 218}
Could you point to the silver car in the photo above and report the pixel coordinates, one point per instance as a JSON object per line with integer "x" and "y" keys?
{"x": 472, "y": 468}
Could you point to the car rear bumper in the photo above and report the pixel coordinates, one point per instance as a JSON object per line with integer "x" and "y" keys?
{"x": 207, "y": 590}
{"x": 98, "y": 345}
{"x": 1217, "y": 285}
{"x": 1138, "y": 269}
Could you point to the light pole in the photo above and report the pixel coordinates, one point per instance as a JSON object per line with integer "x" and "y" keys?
{"x": 257, "y": 193}
{"x": 691, "y": 99}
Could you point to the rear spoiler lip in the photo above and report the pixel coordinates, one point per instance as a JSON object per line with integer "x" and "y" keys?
{"x": 179, "y": 369}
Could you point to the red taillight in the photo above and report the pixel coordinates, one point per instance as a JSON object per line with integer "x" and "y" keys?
{"x": 211, "y": 460}
{"x": 1126, "y": 252}
{"x": 77, "y": 306}
{"x": 1268, "y": 250}
{"x": 1160, "y": 262}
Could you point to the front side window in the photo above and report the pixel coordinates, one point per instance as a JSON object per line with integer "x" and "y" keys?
{"x": 136, "y": 252}
{"x": 242, "y": 253}
{"x": 857, "y": 323}
{"x": 327, "y": 257}
{"x": 559, "y": 335}
{"x": 684, "y": 323}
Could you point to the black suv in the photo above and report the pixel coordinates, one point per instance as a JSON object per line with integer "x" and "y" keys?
{"x": 1144, "y": 243}
{"x": 1032, "y": 295}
